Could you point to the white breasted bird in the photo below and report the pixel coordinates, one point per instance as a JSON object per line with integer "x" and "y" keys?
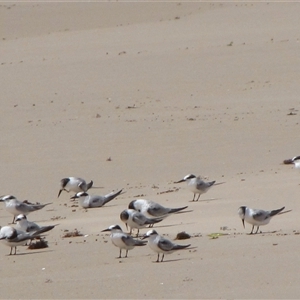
{"x": 27, "y": 226}
{"x": 90, "y": 201}
{"x": 136, "y": 220}
{"x": 74, "y": 184}
{"x": 257, "y": 217}
{"x": 196, "y": 185}
{"x": 160, "y": 244}
{"x": 123, "y": 240}
{"x": 152, "y": 209}
{"x": 296, "y": 162}
{"x": 16, "y": 207}
{"x": 13, "y": 237}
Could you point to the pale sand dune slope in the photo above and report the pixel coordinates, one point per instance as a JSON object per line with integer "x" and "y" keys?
{"x": 163, "y": 89}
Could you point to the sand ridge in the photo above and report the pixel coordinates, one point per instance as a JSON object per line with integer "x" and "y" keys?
{"x": 163, "y": 89}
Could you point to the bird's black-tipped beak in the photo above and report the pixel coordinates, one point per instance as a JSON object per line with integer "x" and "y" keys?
{"x": 145, "y": 236}
{"x": 126, "y": 226}
{"x": 59, "y": 193}
{"x": 74, "y": 197}
{"x": 182, "y": 180}
{"x": 243, "y": 221}
{"x": 107, "y": 229}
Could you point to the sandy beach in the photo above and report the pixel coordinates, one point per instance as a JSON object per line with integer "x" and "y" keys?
{"x": 136, "y": 96}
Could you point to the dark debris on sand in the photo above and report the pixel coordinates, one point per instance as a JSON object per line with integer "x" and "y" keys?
{"x": 40, "y": 244}
{"x": 73, "y": 233}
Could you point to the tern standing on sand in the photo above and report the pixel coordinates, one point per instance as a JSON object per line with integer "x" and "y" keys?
{"x": 123, "y": 240}
{"x": 162, "y": 245}
{"x": 196, "y": 185}
{"x": 257, "y": 217}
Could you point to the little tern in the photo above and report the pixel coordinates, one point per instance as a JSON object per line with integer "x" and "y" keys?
{"x": 90, "y": 201}
{"x": 162, "y": 245}
{"x": 16, "y": 207}
{"x": 152, "y": 209}
{"x": 74, "y": 184}
{"x": 123, "y": 240}
{"x": 196, "y": 185}
{"x": 13, "y": 237}
{"x": 257, "y": 217}
{"x": 137, "y": 220}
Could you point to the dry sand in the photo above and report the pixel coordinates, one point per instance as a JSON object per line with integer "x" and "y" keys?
{"x": 164, "y": 89}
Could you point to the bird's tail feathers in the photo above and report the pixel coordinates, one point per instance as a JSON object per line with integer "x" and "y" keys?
{"x": 41, "y": 230}
{"x": 276, "y": 211}
{"x": 174, "y": 210}
{"x": 178, "y": 247}
{"x": 89, "y": 185}
{"x": 140, "y": 243}
{"x": 111, "y": 196}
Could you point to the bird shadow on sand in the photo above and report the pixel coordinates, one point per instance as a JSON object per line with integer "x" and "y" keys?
{"x": 96, "y": 187}
{"x": 262, "y": 233}
{"x": 183, "y": 212}
{"x": 171, "y": 260}
{"x": 205, "y": 200}
{"x": 105, "y": 206}
{"x": 29, "y": 253}
{"x": 218, "y": 183}
{"x": 42, "y": 221}
{"x": 171, "y": 225}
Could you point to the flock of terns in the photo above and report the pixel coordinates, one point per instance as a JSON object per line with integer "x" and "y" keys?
{"x": 139, "y": 214}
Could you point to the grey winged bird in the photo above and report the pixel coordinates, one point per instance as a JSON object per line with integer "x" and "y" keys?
{"x": 123, "y": 240}
{"x": 16, "y": 207}
{"x": 90, "y": 201}
{"x": 162, "y": 245}
{"x": 152, "y": 209}
{"x": 257, "y": 217}
{"x": 27, "y": 226}
{"x": 196, "y": 185}
{"x": 74, "y": 184}
{"x": 136, "y": 220}
{"x": 13, "y": 237}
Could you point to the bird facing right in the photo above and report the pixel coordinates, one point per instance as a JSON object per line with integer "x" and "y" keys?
{"x": 162, "y": 245}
